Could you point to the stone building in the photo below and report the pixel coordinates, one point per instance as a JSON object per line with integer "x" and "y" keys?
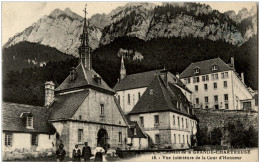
{"x": 216, "y": 85}
{"x": 165, "y": 114}
{"x": 84, "y": 108}
{"x": 26, "y": 131}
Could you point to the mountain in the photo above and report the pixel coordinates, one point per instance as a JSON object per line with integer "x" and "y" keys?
{"x": 61, "y": 29}
{"x": 27, "y": 55}
{"x": 179, "y": 20}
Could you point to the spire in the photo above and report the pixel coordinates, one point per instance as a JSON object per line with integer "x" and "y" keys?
{"x": 84, "y": 49}
{"x": 122, "y": 69}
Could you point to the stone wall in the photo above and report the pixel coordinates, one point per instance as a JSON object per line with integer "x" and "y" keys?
{"x": 208, "y": 120}
{"x": 218, "y": 118}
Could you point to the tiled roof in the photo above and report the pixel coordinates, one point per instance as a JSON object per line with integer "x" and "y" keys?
{"x": 84, "y": 78}
{"x": 158, "y": 97}
{"x": 205, "y": 67}
{"x": 139, "y": 132}
{"x": 11, "y": 120}
{"x": 66, "y": 105}
{"x": 144, "y": 79}
{"x": 135, "y": 80}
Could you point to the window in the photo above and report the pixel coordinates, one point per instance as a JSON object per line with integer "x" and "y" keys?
{"x": 226, "y": 105}
{"x": 186, "y": 123}
{"x": 196, "y": 87}
{"x": 120, "y": 137}
{"x": 207, "y": 77}
{"x": 206, "y": 99}
{"x": 80, "y": 117}
{"x": 188, "y": 80}
{"x": 139, "y": 95}
{"x": 197, "y": 79}
{"x": 222, "y": 75}
{"x": 187, "y": 139}
{"x": 179, "y": 139}
{"x": 8, "y": 139}
{"x": 173, "y": 118}
{"x": 214, "y": 67}
{"x": 212, "y": 76}
{"x": 225, "y": 84}
{"x": 133, "y": 98}
{"x": 119, "y": 99}
{"x": 134, "y": 131}
{"x": 182, "y": 123}
{"x": 226, "y": 97}
{"x": 156, "y": 119}
{"x": 80, "y": 133}
{"x": 102, "y": 110}
{"x": 178, "y": 121}
{"x": 183, "y": 139}
{"x": 215, "y": 85}
{"x": 157, "y": 138}
{"x": 34, "y": 140}
{"x": 226, "y": 74}
{"x": 203, "y": 78}
{"x": 128, "y": 99}
{"x": 205, "y": 86}
{"x": 142, "y": 121}
{"x": 196, "y": 70}
{"x": 174, "y": 138}
{"x": 216, "y": 76}
{"x": 216, "y": 98}
{"x": 197, "y": 100}
{"x": 29, "y": 122}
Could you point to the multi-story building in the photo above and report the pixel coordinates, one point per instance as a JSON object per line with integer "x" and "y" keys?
{"x": 130, "y": 88}
{"x": 216, "y": 85}
{"x": 165, "y": 114}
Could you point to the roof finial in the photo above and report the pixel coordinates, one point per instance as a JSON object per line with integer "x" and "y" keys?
{"x": 85, "y": 11}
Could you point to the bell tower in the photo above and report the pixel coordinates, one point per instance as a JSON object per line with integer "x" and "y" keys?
{"x": 122, "y": 69}
{"x": 85, "y": 50}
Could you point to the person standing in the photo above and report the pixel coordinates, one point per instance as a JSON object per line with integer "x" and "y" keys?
{"x": 60, "y": 153}
{"x": 86, "y": 152}
{"x": 76, "y": 153}
{"x": 99, "y": 153}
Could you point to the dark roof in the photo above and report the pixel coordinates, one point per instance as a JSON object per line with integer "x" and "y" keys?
{"x": 135, "y": 80}
{"x": 144, "y": 79}
{"x": 13, "y": 121}
{"x": 66, "y": 105}
{"x": 130, "y": 132}
{"x": 163, "y": 98}
{"x": 205, "y": 67}
{"x": 84, "y": 79}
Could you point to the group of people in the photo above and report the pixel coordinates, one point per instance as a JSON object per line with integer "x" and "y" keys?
{"x": 86, "y": 153}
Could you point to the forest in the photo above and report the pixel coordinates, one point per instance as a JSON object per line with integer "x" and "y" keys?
{"x": 26, "y": 85}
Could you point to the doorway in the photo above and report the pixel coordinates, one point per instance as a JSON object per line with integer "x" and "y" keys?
{"x": 102, "y": 137}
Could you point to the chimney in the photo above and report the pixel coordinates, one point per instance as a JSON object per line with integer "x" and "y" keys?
{"x": 178, "y": 75}
{"x": 49, "y": 93}
{"x": 242, "y": 77}
{"x": 232, "y": 63}
{"x": 163, "y": 75}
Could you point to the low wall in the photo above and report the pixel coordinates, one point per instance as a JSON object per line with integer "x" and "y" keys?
{"x": 218, "y": 118}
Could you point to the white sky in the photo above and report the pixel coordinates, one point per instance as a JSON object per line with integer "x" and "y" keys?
{"x": 16, "y": 16}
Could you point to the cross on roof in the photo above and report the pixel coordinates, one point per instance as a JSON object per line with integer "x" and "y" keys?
{"x": 85, "y": 10}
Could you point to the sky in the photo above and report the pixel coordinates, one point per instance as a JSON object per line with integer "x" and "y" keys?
{"x": 16, "y": 16}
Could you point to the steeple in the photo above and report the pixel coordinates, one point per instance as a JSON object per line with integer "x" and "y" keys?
{"x": 122, "y": 69}
{"x": 84, "y": 49}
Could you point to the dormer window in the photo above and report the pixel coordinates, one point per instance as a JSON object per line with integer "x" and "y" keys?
{"x": 97, "y": 79}
{"x": 214, "y": 67}
{"x": 29, "y": 122}
{"x": 197, "y": 70}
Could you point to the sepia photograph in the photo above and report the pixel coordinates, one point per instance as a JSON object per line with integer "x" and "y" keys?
{"x": 130, "y": 81}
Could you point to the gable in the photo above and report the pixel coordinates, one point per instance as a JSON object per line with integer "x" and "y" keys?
{"x": 90, "y": 109}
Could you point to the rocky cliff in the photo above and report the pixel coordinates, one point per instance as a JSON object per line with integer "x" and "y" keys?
{"x": 61, "y": 29}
